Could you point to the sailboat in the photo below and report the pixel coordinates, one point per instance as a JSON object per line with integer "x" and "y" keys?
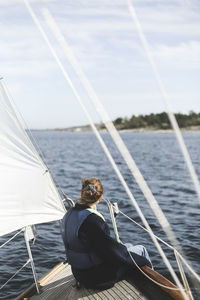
{"x": 32, "y": 199}
{"x": 31, "y": 178}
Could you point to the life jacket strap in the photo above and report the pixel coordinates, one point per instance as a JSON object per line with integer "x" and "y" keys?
{"x": 94, "y": 211}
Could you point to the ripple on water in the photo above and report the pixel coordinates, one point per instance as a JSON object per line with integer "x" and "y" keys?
{"x": 72, "y": 156}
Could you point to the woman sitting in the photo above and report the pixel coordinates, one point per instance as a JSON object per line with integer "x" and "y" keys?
{"x": 97, "y": 260}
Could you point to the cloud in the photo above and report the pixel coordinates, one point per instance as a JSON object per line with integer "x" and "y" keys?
{"x": 102, "y": 31}
{"x": 171, "y": 29}
{"x": 105, "y": 42}
{"x": 29, "y": 68}
{"x": 184, "y": 55}
{"x": 96, "y": 15}
{"x": 145, "y": 103}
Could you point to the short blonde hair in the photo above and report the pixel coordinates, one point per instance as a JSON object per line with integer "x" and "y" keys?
{"x": 91, "y": 190}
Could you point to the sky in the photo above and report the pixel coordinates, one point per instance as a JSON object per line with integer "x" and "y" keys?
{"x": 105, "y": 42}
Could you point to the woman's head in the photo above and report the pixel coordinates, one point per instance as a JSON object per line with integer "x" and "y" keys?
{"x": 91, "y": 190}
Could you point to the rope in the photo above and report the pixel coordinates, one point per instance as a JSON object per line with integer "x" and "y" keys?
{"x": 177, "y": 256}
{"x": 121, "y": 146}
{"x": 183, "y": 276}
{"x": 28, "y": 261}
{"x": 16, "y": 234}
{"x": 146, "y": 230}
{"x": 111, "y": 129}
{"x": 164, "y": 96}
{"x": 189, "y": 268}
{"x": 166, "y": 244}
{"x": 104, "y": 147}
{"x": 111, "y": 209}
{"x": 159, "y": 284}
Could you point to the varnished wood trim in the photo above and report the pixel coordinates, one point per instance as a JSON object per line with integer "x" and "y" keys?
{"x": 175, "y": 294}
{"x": 51, "y": 274}
{"x": 32, "y": 289}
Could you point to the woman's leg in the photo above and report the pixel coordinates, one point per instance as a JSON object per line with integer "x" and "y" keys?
{"x": 140, "y": 250}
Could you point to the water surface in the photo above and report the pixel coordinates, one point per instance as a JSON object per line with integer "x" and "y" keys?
{"x": 73, "y": 155}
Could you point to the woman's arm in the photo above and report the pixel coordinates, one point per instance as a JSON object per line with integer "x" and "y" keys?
{"x": 95, "y": 231}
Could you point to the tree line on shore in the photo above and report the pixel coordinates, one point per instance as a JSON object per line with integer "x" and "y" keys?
{"x": 157, "y": 121}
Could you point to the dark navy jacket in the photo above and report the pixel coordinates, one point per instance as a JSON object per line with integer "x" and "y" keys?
{"x": 79, "y": 253}
{"x": 91, "y": 237}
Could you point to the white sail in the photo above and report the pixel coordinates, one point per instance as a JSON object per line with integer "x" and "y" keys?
{"x": 27, "y": 192}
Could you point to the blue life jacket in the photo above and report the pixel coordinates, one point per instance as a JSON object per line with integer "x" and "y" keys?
{"x": 78, "y": 252}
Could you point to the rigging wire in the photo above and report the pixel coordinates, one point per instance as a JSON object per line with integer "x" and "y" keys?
{"x": 92, "y": 96}
{"x": 9, "y": 240}
{"x": 154, "y": 281}
{"x": 183, "y": 276}
{"x": 164, "y": 96}
{"x": 28, "y": 261}
{"x": 113, "y": 208}
{"x": 116, "y": 137}
{"x": 104, "y": 147}
{"x": 166, "y": 244}
{"x": 111, "y": 128}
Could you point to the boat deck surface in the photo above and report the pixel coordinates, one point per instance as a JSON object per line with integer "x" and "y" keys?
{"x": 59, "y": 284}
{"x": 62, "y": 286}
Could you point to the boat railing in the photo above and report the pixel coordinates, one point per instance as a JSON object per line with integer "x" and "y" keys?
{"x": 29, "y": 234}
{"x": 12, "y": 238}
{"x": 114, "y": 211}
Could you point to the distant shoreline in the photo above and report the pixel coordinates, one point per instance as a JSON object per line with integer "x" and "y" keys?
{"x": 139, "y": 130}
{"x": 145, "y": 123}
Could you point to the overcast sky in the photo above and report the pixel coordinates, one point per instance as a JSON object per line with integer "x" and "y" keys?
{"x": 106, "y": 44}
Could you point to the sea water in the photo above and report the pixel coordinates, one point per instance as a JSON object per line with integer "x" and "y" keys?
{"x": 74, "y": 155}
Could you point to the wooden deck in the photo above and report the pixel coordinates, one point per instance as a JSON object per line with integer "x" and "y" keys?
{"x": 59, "y": 284}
